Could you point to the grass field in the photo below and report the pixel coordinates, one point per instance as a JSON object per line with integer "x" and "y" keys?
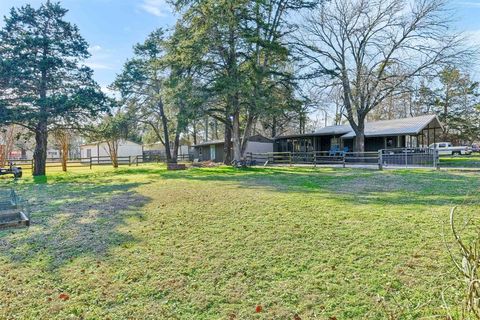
{"x": 470, "y": 161}
{"x": 219, "y": 243}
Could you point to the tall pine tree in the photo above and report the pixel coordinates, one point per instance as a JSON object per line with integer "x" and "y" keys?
{"x": 43, "y": 82}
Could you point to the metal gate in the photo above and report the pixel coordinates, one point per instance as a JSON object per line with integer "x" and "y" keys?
{"x": 409, "y": 158}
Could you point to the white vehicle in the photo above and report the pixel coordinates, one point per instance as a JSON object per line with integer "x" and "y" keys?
{"x": 446, "y": 148}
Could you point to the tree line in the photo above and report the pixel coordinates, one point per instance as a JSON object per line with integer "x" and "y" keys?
{"x": 231, "y": 68}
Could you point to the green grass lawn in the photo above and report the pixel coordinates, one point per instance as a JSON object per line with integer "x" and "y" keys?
{"x": 464, "y": 161}
{"x": 144, "y": 243}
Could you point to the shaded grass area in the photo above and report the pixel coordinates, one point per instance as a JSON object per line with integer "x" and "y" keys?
{"x": 144, "y": 243}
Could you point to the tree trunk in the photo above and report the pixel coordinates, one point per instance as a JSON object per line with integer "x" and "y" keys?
{"x": 206, "y": 129}
{"x": 3, "y": 156}
{"x": 246, "y": 135}
{"x": 194, "y": 132}
{"x": 113, "y": 151}
{"x": 40, "y": 153}
{"x": 176, "y": 145}
{"x": 274, "y": 127}
{"x": 165, "y": 132}
{"x": 64, "y": 156}
{"x": 360, "y": 142}
{"x": 227, "y": 146}
{"x": 236, "y": 140}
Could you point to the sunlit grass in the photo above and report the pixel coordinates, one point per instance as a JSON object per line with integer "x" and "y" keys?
{"x": 144, "y": 243}
{"x": 464, "y": 161}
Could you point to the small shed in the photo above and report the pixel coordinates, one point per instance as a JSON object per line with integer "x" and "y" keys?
{"x": 158, "y": 149}
{"x": 214, "y": 150}
{"x": 126, "y": 148}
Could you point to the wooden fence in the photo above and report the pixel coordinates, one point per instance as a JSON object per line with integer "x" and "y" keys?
{"x": 91, "y": 162}
{"x": 406, "y": 157}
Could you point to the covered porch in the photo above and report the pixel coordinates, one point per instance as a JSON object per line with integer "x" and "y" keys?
{"x": 417, "y": 132}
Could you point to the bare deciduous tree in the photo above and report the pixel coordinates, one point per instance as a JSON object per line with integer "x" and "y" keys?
{"x": 62, "y": 137}
{"x": 374, "y": 48}
{"x": 7, "y": 136}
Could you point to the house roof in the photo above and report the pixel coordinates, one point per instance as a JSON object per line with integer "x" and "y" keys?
{"x": 397, "y": 127}
{"x": 208, "y": 143}
{"x": 255, "y": 138}
{"x": 333, "y": 130}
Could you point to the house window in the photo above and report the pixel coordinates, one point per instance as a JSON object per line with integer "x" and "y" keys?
{"x": 89, "y": 153}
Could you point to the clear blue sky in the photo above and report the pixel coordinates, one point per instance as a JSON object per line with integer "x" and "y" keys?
{"x": 112, "y": 27}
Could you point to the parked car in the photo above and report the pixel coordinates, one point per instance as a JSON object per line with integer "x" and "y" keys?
{"x": 446, "y": 148}
{"x": 475, "y": 147}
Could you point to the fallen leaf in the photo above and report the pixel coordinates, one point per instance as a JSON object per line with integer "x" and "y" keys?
{"x": 258, "y": 309}
{"x": 64, "y": 296}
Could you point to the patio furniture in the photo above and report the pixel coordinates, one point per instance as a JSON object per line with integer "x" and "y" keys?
{"x": 344, "y": 152}
{"x": 333, "y": 151}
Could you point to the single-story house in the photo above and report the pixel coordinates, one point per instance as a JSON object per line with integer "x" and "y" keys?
{"x": 214, "y": 150}
{"x": 415, "y": 132}
{"x": 126, "y": 148}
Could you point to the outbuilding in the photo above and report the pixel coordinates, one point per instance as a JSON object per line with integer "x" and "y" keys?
{"x": 214, "y": 150}
{"x": 96, "y": 150}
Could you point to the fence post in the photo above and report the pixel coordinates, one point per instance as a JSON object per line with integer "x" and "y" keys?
{"x": 290, "y": 158}
{"x": 137, "y": 161}
{"x": 90, "y": 162}
{"x": 380, "y": 160}
{"x": 129, "y": 161}
{"x": 314, "y": 159}
{"x": 343, "y": 159}
{"x": 406, "y": 159}
{"x": 436, "y": 159}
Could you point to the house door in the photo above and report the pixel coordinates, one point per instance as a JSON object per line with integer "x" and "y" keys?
{"x": 212, "y": 152}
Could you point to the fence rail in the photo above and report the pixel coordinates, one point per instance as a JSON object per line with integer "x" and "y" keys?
{"x": 407, "y": 157}
{"x": 96, "y": 161}
{"x": 383, "y": 158}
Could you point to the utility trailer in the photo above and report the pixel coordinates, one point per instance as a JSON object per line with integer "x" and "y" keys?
{"x": 12, "y": 213}
{"x": 12, "y": 169}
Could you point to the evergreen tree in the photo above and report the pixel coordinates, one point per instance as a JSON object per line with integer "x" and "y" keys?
{"x": 42, "y": 79}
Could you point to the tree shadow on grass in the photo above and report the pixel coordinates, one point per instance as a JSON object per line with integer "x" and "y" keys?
{"x": 70, "y": 221}
{"x": 363, "y": 186}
